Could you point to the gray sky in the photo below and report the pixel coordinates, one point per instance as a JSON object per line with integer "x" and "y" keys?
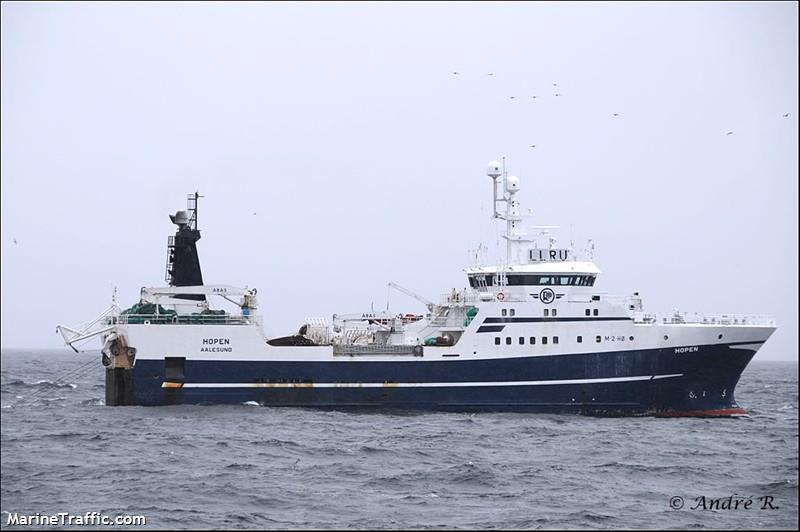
{"x": 343, "y": 128}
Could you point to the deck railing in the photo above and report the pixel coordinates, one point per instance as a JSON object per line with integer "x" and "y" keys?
{"x": 677, "y": 318}
{"x": 186, "y": 319}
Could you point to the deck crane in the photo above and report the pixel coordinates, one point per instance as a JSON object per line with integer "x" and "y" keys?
{"x": 418, "y": 297}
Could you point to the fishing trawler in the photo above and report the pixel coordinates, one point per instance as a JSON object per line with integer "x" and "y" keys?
{"x": 531, "y": 333}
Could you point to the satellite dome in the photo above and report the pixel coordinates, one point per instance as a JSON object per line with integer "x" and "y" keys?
{"x": 494, "y": 169}
{"x": 512, "y": 183}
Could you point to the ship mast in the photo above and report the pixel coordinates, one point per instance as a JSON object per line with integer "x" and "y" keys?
{"x": 510, "y": 184}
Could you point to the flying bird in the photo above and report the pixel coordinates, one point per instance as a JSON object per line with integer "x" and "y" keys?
{"x": 534, "y": 97}
{"x": 512, "y": 97}
{"x": 490, "y": 74}
{"x": 729, "y": 133}
{"x": 15, "y": 241}
{"x": 616, "y": 114}
{"x": 533, "y": 145}
{"x": 786, "y": 115}
{"x": 555, "y": 84}
{"x": 557, "y": 94}
{"x": 455, "y": 73}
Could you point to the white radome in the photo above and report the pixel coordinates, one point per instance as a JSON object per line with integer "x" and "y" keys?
{"x": 512, "y": 184}
{"x": 494, "y": 169}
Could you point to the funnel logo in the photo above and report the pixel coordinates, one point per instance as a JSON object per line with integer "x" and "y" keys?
{"x": 547, "y": 296}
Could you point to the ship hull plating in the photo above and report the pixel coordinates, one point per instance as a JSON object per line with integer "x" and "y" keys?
{"x": 633, "y": 382}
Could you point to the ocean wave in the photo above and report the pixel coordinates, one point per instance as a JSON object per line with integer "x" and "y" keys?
{"x": 42, "y": 383}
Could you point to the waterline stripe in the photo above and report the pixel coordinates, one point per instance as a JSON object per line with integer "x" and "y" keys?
{"x": 416, "y": 384}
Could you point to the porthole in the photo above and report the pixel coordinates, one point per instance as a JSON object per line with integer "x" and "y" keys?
{"x": 719, "y": 337}
{"x": 630, "y": 338}
{"x": 666, "y": 337}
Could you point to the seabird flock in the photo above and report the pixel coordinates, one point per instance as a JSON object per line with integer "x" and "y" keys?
{"x": 533, "y": 96}
{"x": 556, "y": 93}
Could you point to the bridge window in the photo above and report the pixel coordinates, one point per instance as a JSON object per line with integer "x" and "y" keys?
{"x": 519, "y": 279}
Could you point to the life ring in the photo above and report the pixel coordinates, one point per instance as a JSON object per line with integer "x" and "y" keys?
{"x": 500, "y": 296}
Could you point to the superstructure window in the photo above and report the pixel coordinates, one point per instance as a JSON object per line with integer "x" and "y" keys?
{"x": 511, "y": 312}
{"x": 496, "y": 340}
{"x": 597, "y": 339}
{"x": 555, "y": 312}
{"x": 521, "y": 340}
{"x": 555, "y": 339}
{"x": 508, "y": 340}
{"x": 588, "y": 312}
{"x": 546, "y": 312}
{"x": 503, "y": 312}
{"x": 595, "y": 312}
{"x": 520, "y": 279}
{"x": 532, "y": 340}
{"x": 544, "y": 340}
{"x": 580, "y": 339}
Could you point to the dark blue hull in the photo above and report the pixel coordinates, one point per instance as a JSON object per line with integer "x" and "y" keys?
{"x": 658, "y": 381}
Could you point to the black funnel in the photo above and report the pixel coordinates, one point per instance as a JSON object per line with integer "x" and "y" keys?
{"x": 183, "y": 262}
